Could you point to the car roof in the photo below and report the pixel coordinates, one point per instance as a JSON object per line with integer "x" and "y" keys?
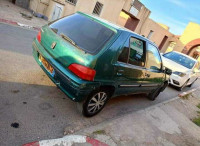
{"x": 185, "y": 55}
{"x": 115, "y": 26}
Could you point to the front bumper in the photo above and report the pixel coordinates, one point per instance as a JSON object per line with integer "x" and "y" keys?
{"x": 176, "y": 80}
{"x": 75, "y": 88}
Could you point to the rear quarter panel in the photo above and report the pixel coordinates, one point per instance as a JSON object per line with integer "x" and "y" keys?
{"x": 105, "y": 69}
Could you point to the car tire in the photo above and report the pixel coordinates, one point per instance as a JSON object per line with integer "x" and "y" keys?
{"x": 153, "y": 95}
{"x": 94, "y": 103}
{"x": 192, "y": 83}
{"x": 183, "y": 86}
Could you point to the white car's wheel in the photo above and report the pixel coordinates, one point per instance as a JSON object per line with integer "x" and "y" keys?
{"x": 192, "y": 83}
{"x": 183, "y": 86}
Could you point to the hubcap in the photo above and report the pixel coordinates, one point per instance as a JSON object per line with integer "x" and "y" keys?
{"x": 97, "y": 102}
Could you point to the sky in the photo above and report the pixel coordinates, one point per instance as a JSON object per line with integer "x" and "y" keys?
{"x": 174, "y": 13}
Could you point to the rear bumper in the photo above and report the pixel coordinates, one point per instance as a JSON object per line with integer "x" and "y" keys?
{"x": 75, "y": 88}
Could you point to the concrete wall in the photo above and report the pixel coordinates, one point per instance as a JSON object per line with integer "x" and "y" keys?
{"x": 110, "y": 11}
{"x": 22, "y": 3}
{"x": 158, "y": 33}
{"x": 143, "y": 15}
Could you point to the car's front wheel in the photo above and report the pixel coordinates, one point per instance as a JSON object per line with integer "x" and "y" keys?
{"x": 94, "y": 103}
{"x": 183, "y": 86}
{"x": 154, "y": 94}
{"x": 192, "y": 83}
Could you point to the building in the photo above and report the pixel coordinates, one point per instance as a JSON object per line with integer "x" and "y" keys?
{"x": 54, "y": 9}
{"x": 189, "y": 42}
{"x": 131, "y": 14}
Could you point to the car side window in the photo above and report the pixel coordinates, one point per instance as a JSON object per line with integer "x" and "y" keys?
{"x": 123, "y": 57}
{"x": 136, "y": 52}
{"x": 153, "y": 58}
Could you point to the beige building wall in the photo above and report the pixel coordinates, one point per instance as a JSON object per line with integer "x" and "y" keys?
{"x": 33, "y": 5}
{"x": 143, "y": 16}
{"x": 158, "y": 33}
{"x": 110, "y": 11}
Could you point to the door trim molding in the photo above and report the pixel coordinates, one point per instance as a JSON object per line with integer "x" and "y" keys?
{"x": 149, "y": 85}
{"x": 129, "y": 85}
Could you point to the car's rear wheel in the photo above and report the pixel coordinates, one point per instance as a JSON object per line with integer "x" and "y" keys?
{"x": 183, "y": 86}
{"x": 153, "y": 95}
{"x": 94, "y": 103}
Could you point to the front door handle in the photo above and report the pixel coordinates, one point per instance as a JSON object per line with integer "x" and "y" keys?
{"x": 147, "y": 75}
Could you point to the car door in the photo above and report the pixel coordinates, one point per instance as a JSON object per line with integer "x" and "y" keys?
{"x": 129, "y": 68}
{"x": 154, "y": 75}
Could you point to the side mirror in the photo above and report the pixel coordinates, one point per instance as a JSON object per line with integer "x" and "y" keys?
{"x": 168, "y": 71}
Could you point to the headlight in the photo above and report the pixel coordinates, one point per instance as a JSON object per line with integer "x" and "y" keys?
{"x": 179, "y": 73}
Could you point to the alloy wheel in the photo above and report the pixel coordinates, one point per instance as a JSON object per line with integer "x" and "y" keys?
{"x": 97, "y": 102}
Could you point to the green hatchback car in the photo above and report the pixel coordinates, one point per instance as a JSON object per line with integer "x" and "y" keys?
{"x": 92, "y": 60}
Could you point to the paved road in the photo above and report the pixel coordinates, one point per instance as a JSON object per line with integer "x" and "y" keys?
{"x": 28, "y": 97}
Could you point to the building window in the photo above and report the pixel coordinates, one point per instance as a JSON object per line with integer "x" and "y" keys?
{"x": 136, "y": 6}
{"x": 150, "y": 34}
{"x": 98, "y": 8}
{"x": 72, "y": 1}
{"x": 134, "y": 11}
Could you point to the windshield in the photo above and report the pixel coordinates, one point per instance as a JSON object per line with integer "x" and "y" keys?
{"x": 180, "y": 59}
{"x": 87, "y": 34}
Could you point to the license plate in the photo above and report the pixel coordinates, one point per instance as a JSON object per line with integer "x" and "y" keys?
{"x": 48, "y": 67}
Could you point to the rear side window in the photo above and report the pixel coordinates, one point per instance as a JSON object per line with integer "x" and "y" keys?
{"x": 153, "y": 58}
{"x": 133, "y": 52}
{"x": 88, "y": 34}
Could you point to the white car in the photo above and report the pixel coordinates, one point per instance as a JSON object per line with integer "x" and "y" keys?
{"x": 185, "y": 69}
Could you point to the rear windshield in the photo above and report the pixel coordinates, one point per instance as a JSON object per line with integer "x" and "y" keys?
{"x": 87, "y": 34}
{"x": 180, "y": 59}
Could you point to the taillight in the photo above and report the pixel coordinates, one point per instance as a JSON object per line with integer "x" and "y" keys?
{"x": 39, "y": 36}
{"x": 83, "y": 72}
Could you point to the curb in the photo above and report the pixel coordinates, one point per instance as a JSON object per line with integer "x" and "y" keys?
{"x": 18, "y": 24}
{"x": 68, "y": 140}
{"x": 188, "y": 92}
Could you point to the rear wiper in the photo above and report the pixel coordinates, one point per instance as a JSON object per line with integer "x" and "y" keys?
{"x": 68, "y": 39}
{"x": 71, "y": 41}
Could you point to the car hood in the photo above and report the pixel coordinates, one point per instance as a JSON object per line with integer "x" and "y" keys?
{"x": 174, "y": 66}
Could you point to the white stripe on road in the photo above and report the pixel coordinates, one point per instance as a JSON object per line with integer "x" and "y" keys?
{"x": 66, "y": 141}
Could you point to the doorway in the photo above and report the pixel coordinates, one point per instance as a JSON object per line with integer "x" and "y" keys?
{"x": 57, "y": 12}
{"x": 163, "y": 42}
